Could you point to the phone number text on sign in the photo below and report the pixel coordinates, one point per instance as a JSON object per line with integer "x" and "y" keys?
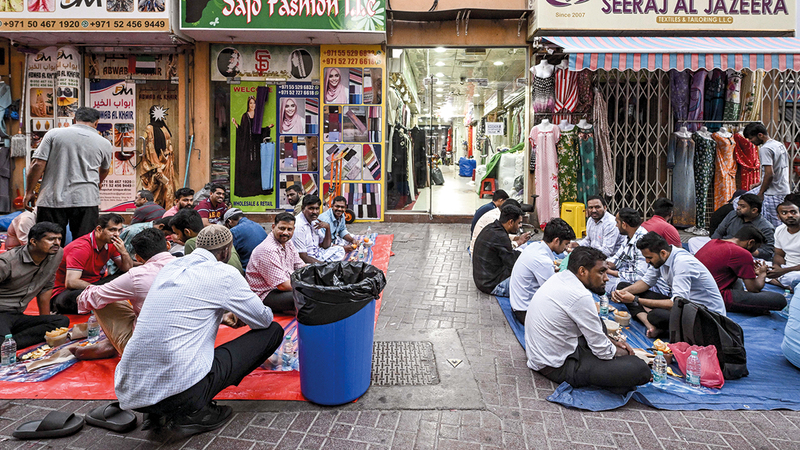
{"x": 92, "y": 25}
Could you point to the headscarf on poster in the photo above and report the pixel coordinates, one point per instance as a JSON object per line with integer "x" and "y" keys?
{"x": 257, "y": 62}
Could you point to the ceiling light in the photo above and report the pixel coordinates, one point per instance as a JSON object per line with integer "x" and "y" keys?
{"x": 498, "y": 63}
{"x": 439, "y": 74}
{"x": 439, "y": 89}
{"x": 440, "y": 49}
{"x": 476, "y": 95}
{"x": 439, "y": 63}
{"x": 439, "y": 95}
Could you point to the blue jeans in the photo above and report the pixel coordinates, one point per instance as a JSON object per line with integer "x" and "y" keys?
{"x": 502, "y": 290}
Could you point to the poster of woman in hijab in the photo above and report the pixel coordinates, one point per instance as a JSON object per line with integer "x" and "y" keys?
{"x": 292, "y": 119}
{"x": 250, "y": 133}
{"x": 337, "y": 85}
{"x": 302, "y": 63}
{"x": 158, "y": 159}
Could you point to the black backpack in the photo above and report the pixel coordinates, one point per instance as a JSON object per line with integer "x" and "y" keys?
{"x": 694, "y": 324}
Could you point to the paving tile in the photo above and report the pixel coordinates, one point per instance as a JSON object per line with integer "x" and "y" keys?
{"x": 225, "y": 443}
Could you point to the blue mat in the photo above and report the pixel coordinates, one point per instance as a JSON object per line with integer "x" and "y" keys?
{"x": 516, "y": 327}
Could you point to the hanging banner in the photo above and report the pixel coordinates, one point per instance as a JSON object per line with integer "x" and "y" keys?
{"x": 116, "y": 101}
{"x": 298, "y": 138}
{"x": 85, "y": 15}
{"x": 253, "y": 149}
{"x": 68, "y": 82}
{"x": 257, "y": 62}
{"x": 40, "y": 95}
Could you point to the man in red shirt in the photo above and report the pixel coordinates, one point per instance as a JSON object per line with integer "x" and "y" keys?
{"x": 662, "y": 214}
{"x": 213, "y": 208}
{"x": 728, "y": 260}
{"x": 85, "y": 260}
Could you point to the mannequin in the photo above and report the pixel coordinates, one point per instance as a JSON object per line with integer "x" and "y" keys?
{"x": 564, "y": 64}
{"x": 703, "y": 131}
{"x": 684, "y": 133}
{"x": 583, "y": 124}
{"x": 724, "y": 132}
{"x": 545, "y": 125}
{"x": 544, "y": 69}
{"x": 565, "y": 125}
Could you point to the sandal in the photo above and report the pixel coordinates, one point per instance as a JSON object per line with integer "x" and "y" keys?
{"x": 111, "y": 417}
{"x": 55, "y": 424}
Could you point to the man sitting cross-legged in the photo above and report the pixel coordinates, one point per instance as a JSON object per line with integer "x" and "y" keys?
{"x": 785, "y": 270}
{"x": 748, "y": 212}
{"x": 117, "y": 304}
{"x": 686, "y": 276}
{"x": 565, "y": 340}
{"x": 312, "y": 237}
{"x": 627, "y": 265}
{"x": 170, "y": 367}
{"x": 493, "y": 258}
{"x": 490, "y": 217}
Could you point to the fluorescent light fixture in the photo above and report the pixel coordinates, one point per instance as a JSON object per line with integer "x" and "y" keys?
{"x": 498, "y": 63}
{"x": 439, "y": 89}
{"x": 439, "y": 95}
{"x": 439, "y": 74}
{"x": 439, "y": 63}
{"x": 397, "y": 52}
{"x": 476, "y": 95}
{"x": 440, "y": 49}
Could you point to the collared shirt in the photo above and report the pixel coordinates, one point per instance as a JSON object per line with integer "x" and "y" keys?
{"x": 298, "y": 208}
{"x": 338, "y": 227}
{"x": 485, "y": 219}
{"x": 732, "y": 223}
{"x": 171, "y": 212}
{"x": 492, "y": 258}
{"x": 663, "y": 228}
{"x": 603, "y": 235}
{"x": 83, "y": 254}
{"x": 212, "y": 213}
{"x": 561, "y": 311}
{"x": 688, "y": 278}
{"x": 246, "y": 236}
{"x": 21, "y": 279}
{"x": 306, "y": 239}
{"x": 272, "y": 264}
{"x": 629, "y": 259}
{"x": 19, "y": 228}
{"x": 533, "y": 267}
{"x": 148, "y": 212}
{"x": 132, "y": 285}
{"x": 172, "y": 347}
{"x": 480, "y": 212}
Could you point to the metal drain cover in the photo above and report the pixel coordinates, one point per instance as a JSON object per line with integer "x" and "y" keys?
{"x": 403, "y": 363}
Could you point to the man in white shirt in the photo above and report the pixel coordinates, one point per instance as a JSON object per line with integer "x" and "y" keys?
{"x": 490, "y": 217}
{"x": 565, "y": 340}
{"x": 686, "y": 276}
{"x": 774, "y": 170}
{"x": 601, "y": 228}
{"x": 170, "y": 366}
{"x": 312, "y": 237}
{"x": 786, "y": 258}
{"x": 536, "y": 265}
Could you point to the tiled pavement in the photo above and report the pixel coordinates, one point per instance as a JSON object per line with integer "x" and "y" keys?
{"x": 430, "y": 286}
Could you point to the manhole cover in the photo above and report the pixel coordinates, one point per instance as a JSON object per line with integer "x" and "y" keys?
{"x": 403, "y": 363}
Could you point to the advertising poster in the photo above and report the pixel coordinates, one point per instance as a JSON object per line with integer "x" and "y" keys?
{"x": 40, "y": 95}
{"x": 85, "y": 15}
{"x": 256, "y": 62}
{"x": 116, "y": 101}
{"x": 254, "y": 154}
{"x": 352, "y": 127}
{"x": 68, "y": 82}
{"x": 298, "y": 138}
{"x": 157, "y": 118}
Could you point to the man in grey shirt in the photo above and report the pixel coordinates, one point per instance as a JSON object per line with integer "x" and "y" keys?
{"x": 774, "y": 170}
{"x": 748, "y": 212}
{"x": 72, "y": 163}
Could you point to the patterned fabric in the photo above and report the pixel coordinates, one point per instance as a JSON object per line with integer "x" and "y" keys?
{"x": 725, "y": 176}
{"x": 271, "y": 264}
{"x": 586, "y": 101}
{"x": 679, "y": 95}
{"x": 714, "y": 103}
{"x": 749, "y": 164}
{"x": 604, "y": 144}
{"x": 733, "y": 96}
{"x": 696, "y": 98}
{"x": 703, "y": 175}
{"x": 566, "y": 93}
{"x": 544, "y": 100}
{"x": 543, "y": 142}
{"x": 752, "y": 95}
{"x": 568, "y": 165}
{"x": 587, "y": 184}
{"x": 629, "y": 259}
{"x": 680, "y": 158}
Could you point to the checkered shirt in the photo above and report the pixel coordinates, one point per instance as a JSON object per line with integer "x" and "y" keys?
{"x": 629, "y": 260}
{"x": 271, "y": 264}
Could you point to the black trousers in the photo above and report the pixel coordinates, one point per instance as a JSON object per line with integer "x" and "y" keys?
{"x": 280, "y": 301}
{"x": 658, "y": 317}
{"x": 520, "y": 316}
{"x": 81, "y": 220}
{"x": 582, "y": 368}
{"x": 232, "y": 362}
{"x": 29, "y": 330}
{"x": 66, "y": 302}
{"x": 754, "y": 302}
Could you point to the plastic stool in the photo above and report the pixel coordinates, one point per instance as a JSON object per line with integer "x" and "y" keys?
{"x": 575, "y": 215}
{"x": 487, "y": 187}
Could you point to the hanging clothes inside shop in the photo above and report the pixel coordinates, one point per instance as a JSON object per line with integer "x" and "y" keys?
{"x": 400, "y": 190}
{"x": 725, "y": 177}
{"x": 714, "y": 101}
{"x": 248, "y": 180}
{"x": 705, "y": 150}
{"x": 679, "y": 84}
{"x": 568, "y": 162}
{"x": 752, "y": 95}
{"x": 749, "y": 163}
{"x": 587, "y": 183}
{"x": 566, "y": 91}
{"x": 420, "y": 157}
{"x": 696, "y": 99}
{"x": 733, "y": 96}
{"x": 586, "y": 93}
{"x": 543, "y": 138}
{"x": 680, "y": 158}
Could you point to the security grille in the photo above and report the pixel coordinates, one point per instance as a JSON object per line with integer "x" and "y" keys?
{"x": 403, "y": 363}
{"x": 781, "y": 115}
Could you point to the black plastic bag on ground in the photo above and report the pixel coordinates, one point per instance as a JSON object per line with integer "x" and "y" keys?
{"x": 436, "y": 176}
{"x": 329, "y": 292}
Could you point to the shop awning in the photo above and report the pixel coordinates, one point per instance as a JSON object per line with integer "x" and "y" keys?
{"x": 651, "y": 53}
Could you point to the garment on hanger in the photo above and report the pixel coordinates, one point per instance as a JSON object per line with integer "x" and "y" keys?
{"x": 566, "y": 93}
{"x": 725, "y": 176}
{"x": 680, "y": 158}
{"x": 679, "y": 82}
{"x": 696, "y": 99}
{"x": 746, "y": 155}
{"x": 602, "y": 136}
{"x": 714, "y": 102}
{"x": 568, "y": 165}
{"x": 752, "y": 95}
{"x": 247, "y": 180}
{"x": 544, "y": 100}
{"x": 585, "y": 93}
{"x": 733, "y": 96}
{"x": 543, "y": 142}
{"x": 262, "y": 94}
{"x": 420, "y": 157}
{"x": 705, "y": 150}
{"x": 587, "y": 182}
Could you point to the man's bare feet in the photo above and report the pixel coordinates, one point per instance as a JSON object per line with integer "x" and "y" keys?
{"x": 101, "y": 350}
{"x": 653, "y": 332}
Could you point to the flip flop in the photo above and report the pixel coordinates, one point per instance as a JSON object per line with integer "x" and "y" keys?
{"x": 55, "y": 424}
{"x": 111, "y": 417}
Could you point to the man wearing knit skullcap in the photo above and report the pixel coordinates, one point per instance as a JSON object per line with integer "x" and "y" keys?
{"x": 170, "y": 369}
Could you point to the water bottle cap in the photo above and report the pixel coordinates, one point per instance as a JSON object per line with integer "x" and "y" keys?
{"x": 694, "y": 353}
{"x": 660, "y": 353}
{"x": 8, "y": 336}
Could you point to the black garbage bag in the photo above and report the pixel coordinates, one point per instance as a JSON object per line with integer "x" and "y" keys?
{"x": 436, "y": 176}
{"x": 329, "y": 292}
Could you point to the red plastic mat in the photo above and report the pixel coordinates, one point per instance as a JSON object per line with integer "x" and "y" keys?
{"x": 94, "y": 380}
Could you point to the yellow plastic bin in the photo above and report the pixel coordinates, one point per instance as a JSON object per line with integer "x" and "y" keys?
{"x": 575, "y": 215}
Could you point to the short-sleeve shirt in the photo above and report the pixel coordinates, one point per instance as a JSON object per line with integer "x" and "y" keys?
{"x": 74, "y": 156}
{"x": 789, "y": 243}
{"x": 271, "y": 264}
{"x": 84, "y": 254}
{"x": 773, "y": 153}
{"x": 21, "y": 279}
{"x": 727, "y": 262}
{"x": 338, "y": 226}
{"x": 663, "y": 229}
{"x": 148, "y": 212}
{"x": 306, "y": 239}
{"x": 210, "y": 212}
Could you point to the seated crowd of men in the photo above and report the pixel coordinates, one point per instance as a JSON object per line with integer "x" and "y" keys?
{"x": 160, "y": 287}
{"x": 641, "y": 264}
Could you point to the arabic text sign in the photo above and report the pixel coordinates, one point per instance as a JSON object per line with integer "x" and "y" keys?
{"x": 86, "y": 15}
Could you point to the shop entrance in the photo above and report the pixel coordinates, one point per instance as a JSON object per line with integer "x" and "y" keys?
{"x": 449, "y": 111}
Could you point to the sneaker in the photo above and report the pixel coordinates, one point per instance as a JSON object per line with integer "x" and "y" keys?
{"x": 208, "y": 418}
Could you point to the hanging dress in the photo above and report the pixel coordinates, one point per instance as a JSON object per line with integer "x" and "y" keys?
{"x": 749, "y": 163}
{"x": 725, "y": 176}
{"x": 733, "y": 96}
{"x": 566, "y": 93}
{"x": 544, "y": 144}
{"x": 602, "y": 135}
{"x": 679, "y": 82}
{"x": 752, "y": 95}
{"x": 714, "y": 102}
{"x": 705, "y": 150}
{"x": 587, "y": 182}
{"x": 544, "y": 100}
{"x": 585, "y": 95}
{"x": 568, "y": 165}
{"x": 696, "y": 99}
{"x": 680, "y": 158}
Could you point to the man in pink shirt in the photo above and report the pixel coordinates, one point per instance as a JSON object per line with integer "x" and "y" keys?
{"x": 117, "y": 304}
{"x": 272, "y": 263}
{"x": 662, "y": 213}
{"x": 183, "y": 199}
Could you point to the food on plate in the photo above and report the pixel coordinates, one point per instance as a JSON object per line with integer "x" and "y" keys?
{"x": 36, "y": 354}
{"x": 57, "y": 332}
{"x": 660, "y": 345}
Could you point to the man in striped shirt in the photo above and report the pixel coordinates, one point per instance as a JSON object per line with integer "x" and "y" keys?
{"x": 146, "y": 209}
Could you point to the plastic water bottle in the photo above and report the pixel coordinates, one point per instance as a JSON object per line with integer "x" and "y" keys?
{"x": 8, "y": 352}
{"x": 275, "y": 362}
{"x": 289, "y": 353}
{"x": 369, "y": 232}
{"x": 604, "y": 305}
{"x": 659, "y": 369}
{"x": 361, "y": 252}
{"x": 788, "y": 294}
{"x": 693, "y": 370}
{"x": 93, "y": 328}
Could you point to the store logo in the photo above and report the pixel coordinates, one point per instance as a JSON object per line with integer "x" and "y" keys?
{"x": 71, "y": 3}
{"x": 561, "y": 3}
{"x": 122, "y": 90}
{"x": 262, "y": 60}
{"x": 63, "y": 55}
{"x": 42, "y": 57}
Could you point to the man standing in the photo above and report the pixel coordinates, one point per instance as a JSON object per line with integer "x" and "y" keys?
{"x": 493, "y": 257}
{"x": 273, "y": 263}
{"x": 72, "y": 163}
{"x": 564, "y": 339}
{"x": 213, "y": 208}
{"x": 774, "y": 170}
{"x": 146, "y": 209}
{"x": 729, "y": 260}
{"x": 786, "y": 260}
{"x": 536, "y": 265}
{"x": 85, "y": 259}
{"x": 601, "y": 228}
{"x": 312, "y": 237}
{"x": 294, "y": 195}
{"x": 186, "y": 225}
{"x": 183, "y": 199}
{"x": 335, "y": 217}
{"x": 170, "y": 367}
{"x": 498, "y": 198}
{"x": 748, "y": 212}
{"x": 662, "y": 214}
{"x": 246, "y": 233}
{"x": 27, "y": 272}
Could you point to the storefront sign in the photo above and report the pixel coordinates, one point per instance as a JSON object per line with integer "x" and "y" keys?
{"x": 259, "y": 63}
{"x": 494, "y": 128}
{"x": 147, "y": 67}
{"x": 333, "y": 15}
{"x": 86, "y": 15}
{"x": 664, "y": 15}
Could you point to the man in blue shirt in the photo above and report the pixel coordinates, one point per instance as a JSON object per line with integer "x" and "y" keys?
{"x": 246, "y": 233}
{"x": 498, "y": 198}
{"x": 335, "y": 217}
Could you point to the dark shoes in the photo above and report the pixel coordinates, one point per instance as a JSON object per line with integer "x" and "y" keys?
{"x": 153, "y": 421}
{"x": 209, "y": 418}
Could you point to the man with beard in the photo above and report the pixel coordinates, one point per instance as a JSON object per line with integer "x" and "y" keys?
{"x": 335, "y": 217}
{"x": 184, "y": 198}
{"x": 686, "y": 276}
{"x": 775, "y": 169}
{"x": 786, "y": 261}
{"x": 294, "y": 195}
{"x": 748, "y": 212}
{"x": 601, "y": 228}
{"x": 312, "y": 237}
{"x": 564, "y": 339}
{"x": 272, "y": 263}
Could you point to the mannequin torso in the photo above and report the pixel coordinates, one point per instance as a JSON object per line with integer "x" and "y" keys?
{"x": 544, "y": 69}
{"x": 583, "y": 124}
{"x": 684, "y": 133}
{"x": 565, "y": 125}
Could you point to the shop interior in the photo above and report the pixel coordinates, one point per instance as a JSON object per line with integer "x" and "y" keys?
{"x": 439, "y": 102}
